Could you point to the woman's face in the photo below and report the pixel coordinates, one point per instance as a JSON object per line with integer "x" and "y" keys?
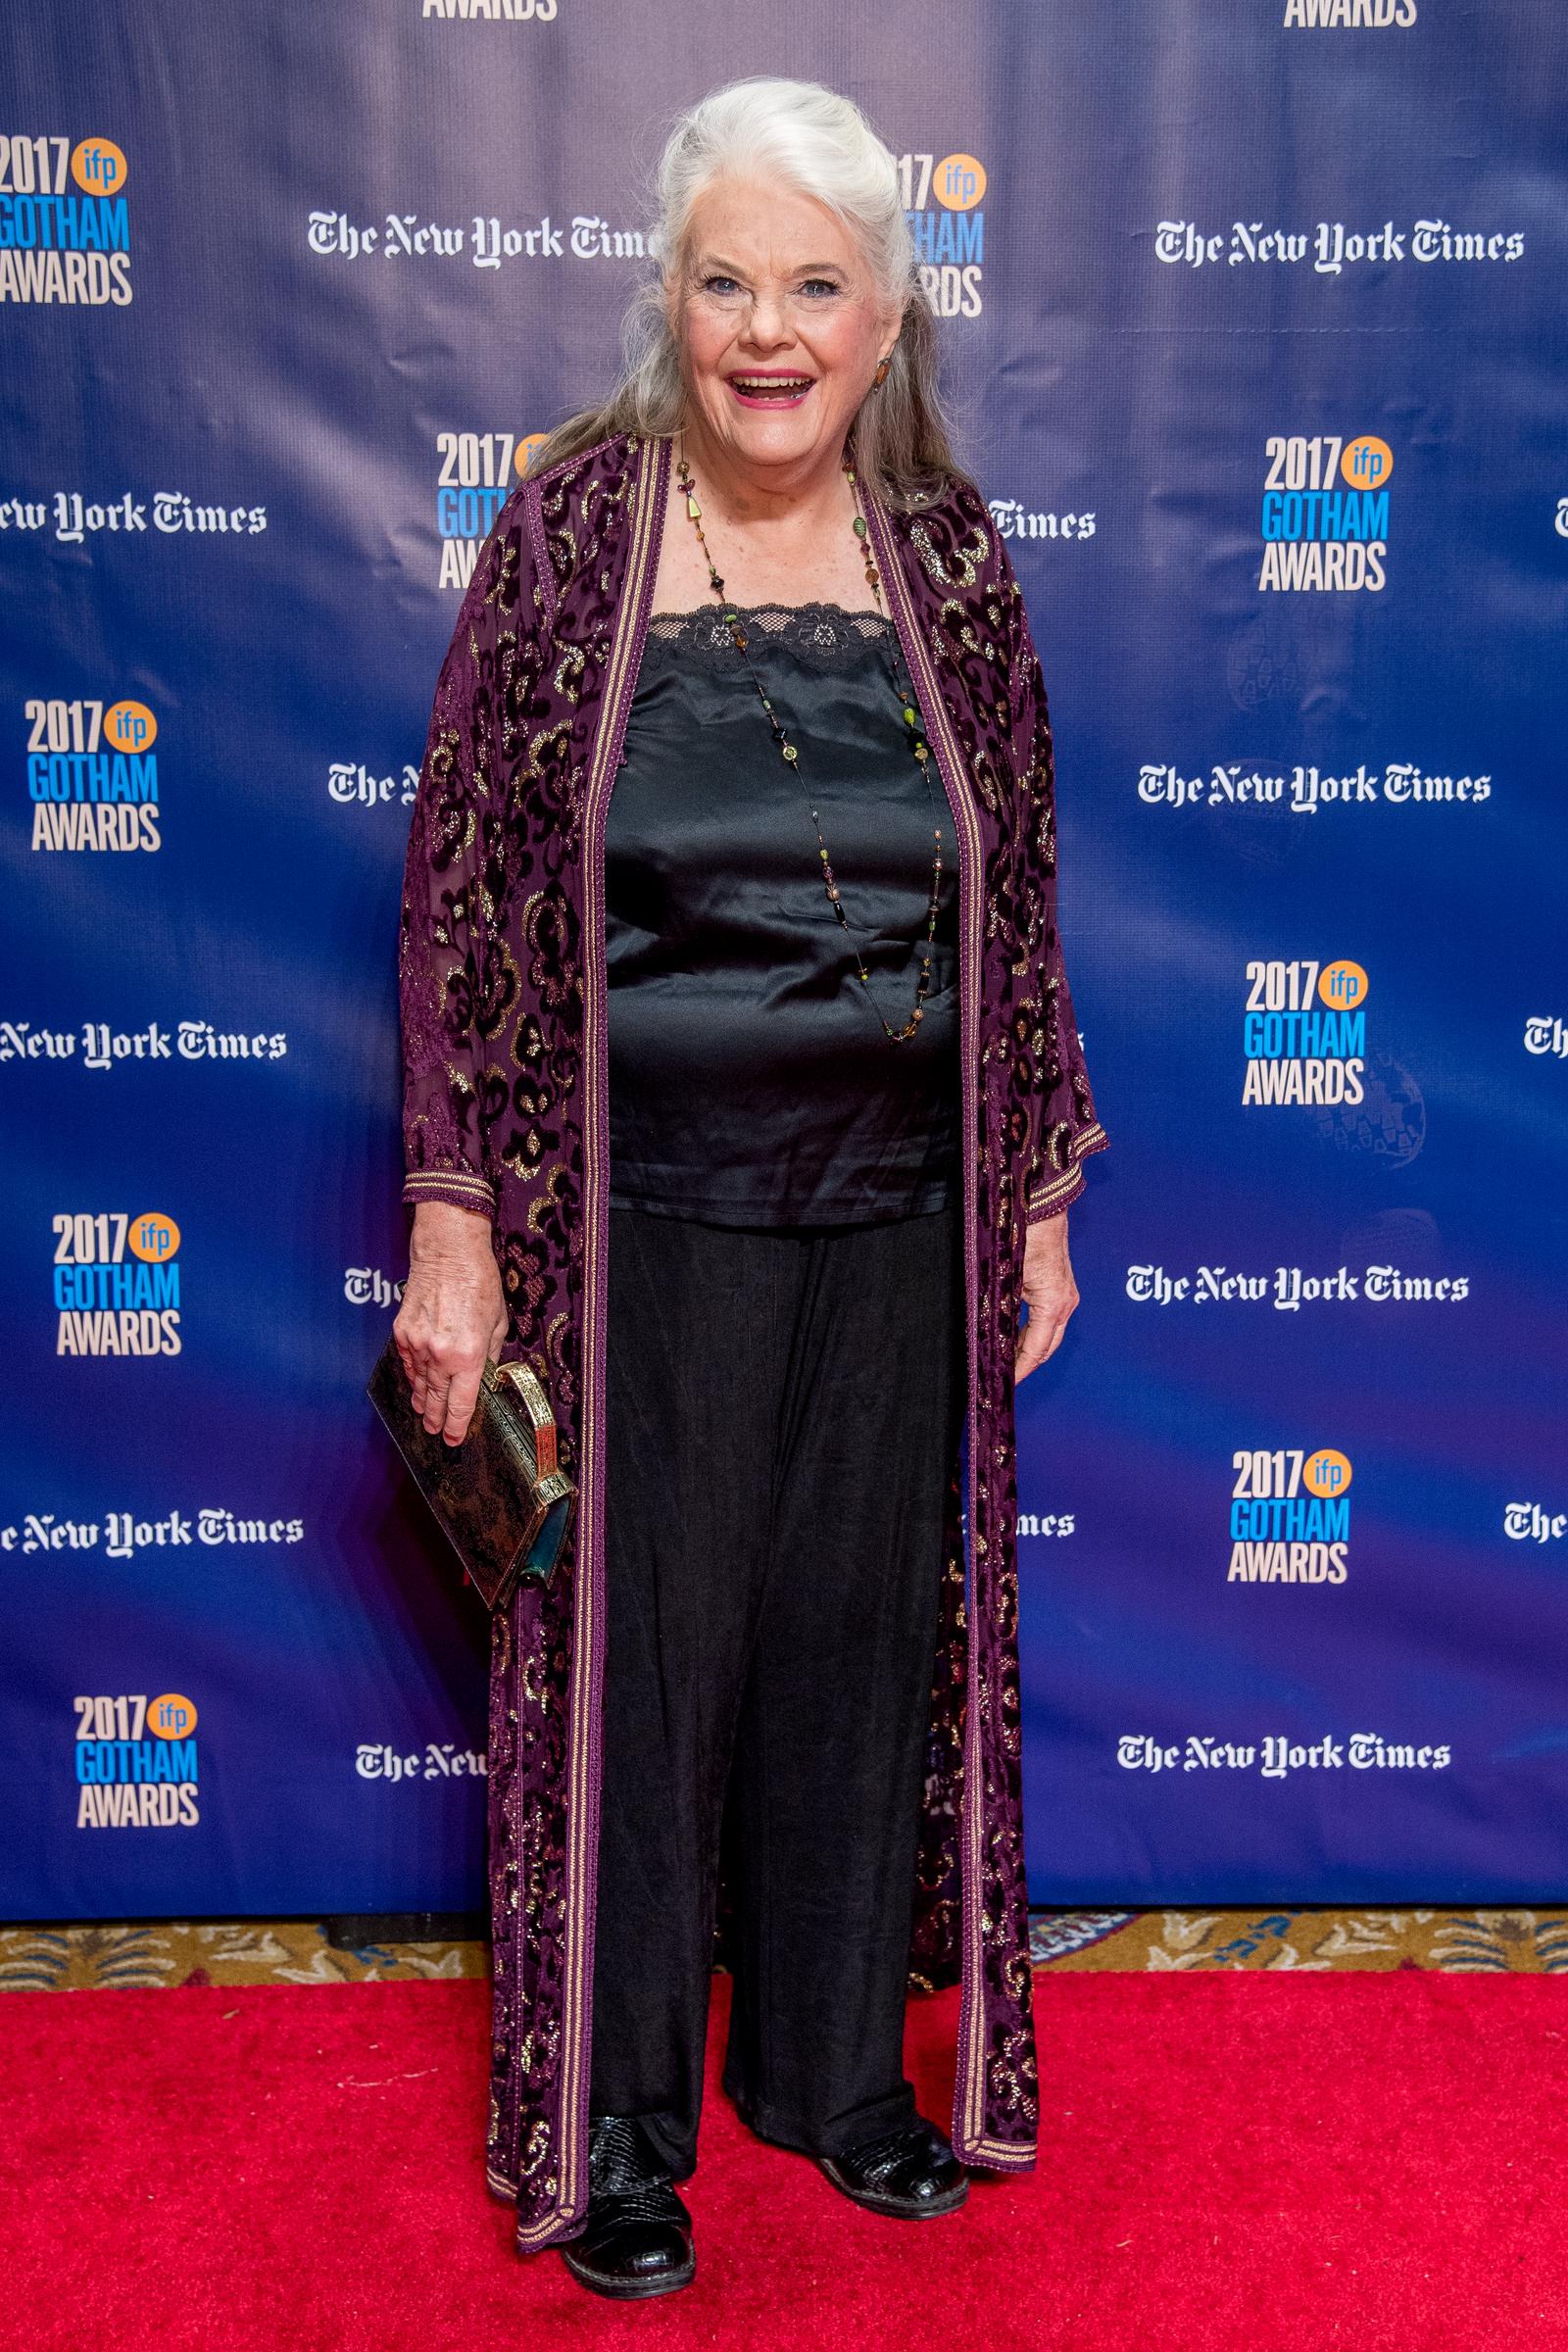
{"x": 778, "y": 325}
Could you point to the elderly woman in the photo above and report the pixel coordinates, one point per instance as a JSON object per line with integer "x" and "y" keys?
{"x": 744, "y": 1101}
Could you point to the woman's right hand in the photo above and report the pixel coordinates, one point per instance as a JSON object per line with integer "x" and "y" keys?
{"x": 453, "y": 1315}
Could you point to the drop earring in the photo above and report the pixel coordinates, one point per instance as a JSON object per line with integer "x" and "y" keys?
{"x": 882, "y": 367}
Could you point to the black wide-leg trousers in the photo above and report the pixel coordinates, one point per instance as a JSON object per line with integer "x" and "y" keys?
{"x": 783, "y": 1409}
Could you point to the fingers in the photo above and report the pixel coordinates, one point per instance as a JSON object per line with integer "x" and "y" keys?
{"x": 416, "y": 1371}
{"x": 443, "y": 1388}
{"x": 452, "y": 1318}
{"x": 444, "y": 1400}
{"x": 1041, "y": 1335}
{"x": 451, "y": 1396}
{"x": 1038, "y": 1339}
{"x": 462, "y": 1395}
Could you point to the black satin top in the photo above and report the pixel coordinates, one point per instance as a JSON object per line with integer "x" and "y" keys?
{"x": 749, "y": 1080}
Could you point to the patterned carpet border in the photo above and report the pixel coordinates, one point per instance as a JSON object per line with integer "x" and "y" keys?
{"x": 171, "y": 1953}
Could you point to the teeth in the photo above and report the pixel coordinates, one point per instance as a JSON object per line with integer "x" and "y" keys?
{"x": 772, "y": 383}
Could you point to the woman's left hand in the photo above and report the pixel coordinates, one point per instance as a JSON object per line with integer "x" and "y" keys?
{"x": 1050, "y": 1294}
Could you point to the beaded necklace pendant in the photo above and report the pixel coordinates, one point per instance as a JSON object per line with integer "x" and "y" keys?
{"x": 790, "y": 753}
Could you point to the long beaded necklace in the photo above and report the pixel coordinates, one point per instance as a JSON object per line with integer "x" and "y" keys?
{"x": 911, "y": 719}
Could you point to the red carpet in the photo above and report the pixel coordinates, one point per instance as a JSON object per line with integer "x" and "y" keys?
{"x": 1374, "y": 2162}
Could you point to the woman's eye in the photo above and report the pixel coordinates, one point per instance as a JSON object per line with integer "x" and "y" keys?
{"x": 820, "y": 285}
{"x": 719, "y": 285}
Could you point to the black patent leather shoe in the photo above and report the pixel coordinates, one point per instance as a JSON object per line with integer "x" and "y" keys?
{"x": 637, "y": 2240}
{"x": 912, "y": 2172}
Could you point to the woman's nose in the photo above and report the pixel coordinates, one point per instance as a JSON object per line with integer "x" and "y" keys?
{"x": 768, "y": 323}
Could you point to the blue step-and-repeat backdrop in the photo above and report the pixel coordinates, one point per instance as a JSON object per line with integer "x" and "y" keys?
{"x": 1256, "y": 321}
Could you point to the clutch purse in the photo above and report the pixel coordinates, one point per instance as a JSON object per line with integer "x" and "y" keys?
{"x": 500, "y": 1498}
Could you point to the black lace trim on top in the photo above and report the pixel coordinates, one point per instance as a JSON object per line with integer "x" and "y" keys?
{"x": 826, "y": 636}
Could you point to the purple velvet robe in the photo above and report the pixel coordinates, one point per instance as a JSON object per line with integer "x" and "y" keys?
{"x": 503, "y": 981}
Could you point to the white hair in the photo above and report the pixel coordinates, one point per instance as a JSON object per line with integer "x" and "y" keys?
{"x": 811, "y": 140}
{"x": 806, "y": 137}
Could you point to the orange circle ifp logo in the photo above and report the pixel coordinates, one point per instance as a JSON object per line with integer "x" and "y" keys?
{"x": 959, "y": 182}
{"x": 1343, "y": 984}
{"x": 154, "y": 1237}
{"x": 528, "y": 447}
{"x": 172, "y": 1716}
{"x": 1327, "y": 1473}
{"x": 129, "y": 727}
{"x": 99, "y": 166}
{"x": 1366, "y": 463}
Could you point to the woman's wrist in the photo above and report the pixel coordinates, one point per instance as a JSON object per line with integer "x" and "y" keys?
{"x": 441, "y": 1229}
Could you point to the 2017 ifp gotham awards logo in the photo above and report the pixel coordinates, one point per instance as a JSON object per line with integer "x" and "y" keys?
{"x": 477, "y": 475}
{"x": 1304, "y": 1030}
{"x": 943, "y": 200}
{"x": 1325, "y": 514}
{"x": 117, "y": 1284}
{"x": 64, "y": 226}
{"x": 92, "y": 775}
{"x": 136, "y": 1764}
{"x": 1290, "y": 1517}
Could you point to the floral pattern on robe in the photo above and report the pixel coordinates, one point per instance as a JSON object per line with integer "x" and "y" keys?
{"x": 503, "y": 992}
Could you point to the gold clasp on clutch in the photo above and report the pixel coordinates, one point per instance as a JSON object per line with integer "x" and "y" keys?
{"x": 520, "y": 1388}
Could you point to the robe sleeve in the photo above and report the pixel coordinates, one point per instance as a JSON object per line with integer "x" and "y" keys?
{"x": 451, "y": 884}
{"x": 1066, "y": 1130}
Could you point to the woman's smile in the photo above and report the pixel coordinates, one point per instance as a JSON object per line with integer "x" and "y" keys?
{"x": 761, "y": 388}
